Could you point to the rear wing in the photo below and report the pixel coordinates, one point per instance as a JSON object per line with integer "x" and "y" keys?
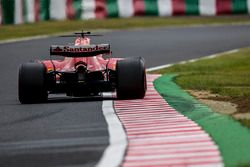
{"x": 79, "y": 51}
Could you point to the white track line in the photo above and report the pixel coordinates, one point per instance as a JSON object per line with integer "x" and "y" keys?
{"x": 37, "y": 37}
{"x": 114, "y": 153}
{"x": 192, "y": 60}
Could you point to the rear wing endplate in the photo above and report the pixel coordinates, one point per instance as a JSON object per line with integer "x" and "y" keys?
{"x": 79, "y": 51}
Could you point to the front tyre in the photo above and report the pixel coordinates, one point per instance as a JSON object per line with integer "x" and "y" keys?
{"x": 131, "y": 78}
{"x": 32, "y": 83}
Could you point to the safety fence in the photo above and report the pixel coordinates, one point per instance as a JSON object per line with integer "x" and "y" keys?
{"x": 28, "y": 11}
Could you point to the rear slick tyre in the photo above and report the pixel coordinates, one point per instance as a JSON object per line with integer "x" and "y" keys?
{"x": 32, "y": 83}
{"x": 131, "y": 78}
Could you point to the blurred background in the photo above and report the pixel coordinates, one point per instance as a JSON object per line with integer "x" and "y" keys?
{"x": 29, "y": 11}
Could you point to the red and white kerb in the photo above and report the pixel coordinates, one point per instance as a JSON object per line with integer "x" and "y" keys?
{"x": 158, "y": 135}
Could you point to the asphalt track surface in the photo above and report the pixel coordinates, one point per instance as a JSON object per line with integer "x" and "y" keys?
{"x": 67, "y": 132}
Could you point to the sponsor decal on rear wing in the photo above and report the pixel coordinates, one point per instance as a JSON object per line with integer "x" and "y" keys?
{"x": 79, "y": 51}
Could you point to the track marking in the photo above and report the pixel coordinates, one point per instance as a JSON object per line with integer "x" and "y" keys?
{"x": 114, "y": 153}
{"x": 158, "y": 135}
{"x": 192, "y": 60}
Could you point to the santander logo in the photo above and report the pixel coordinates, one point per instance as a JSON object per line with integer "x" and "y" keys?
{"x": 90, "y": 48}
{"x": 82, "y": 47}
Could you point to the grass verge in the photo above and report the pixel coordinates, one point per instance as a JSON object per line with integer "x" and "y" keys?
{"x": 228, "y": 134}
{"x": 226, "y": 75}
{"x": 54, "y": 27}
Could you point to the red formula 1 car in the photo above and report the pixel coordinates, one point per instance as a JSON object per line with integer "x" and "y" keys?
{"x": 82, "y": 72}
